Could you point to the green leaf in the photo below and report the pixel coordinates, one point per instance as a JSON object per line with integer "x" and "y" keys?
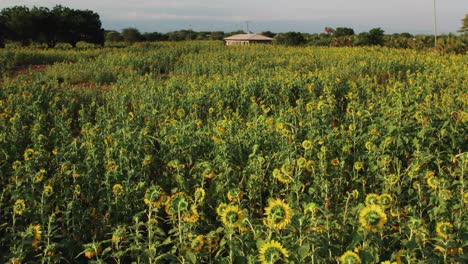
{"x": 304, "y": 250}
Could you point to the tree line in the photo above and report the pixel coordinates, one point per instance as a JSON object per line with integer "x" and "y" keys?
{"x": 50, "y": 26}
{"x": 65, "y": 25}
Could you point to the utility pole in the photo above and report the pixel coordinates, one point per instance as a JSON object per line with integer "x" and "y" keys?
{"x": 247, "y": 24}
{"x": 435, "y": 25}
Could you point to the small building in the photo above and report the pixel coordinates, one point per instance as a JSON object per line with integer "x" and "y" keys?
{"x": 246, "y": 39}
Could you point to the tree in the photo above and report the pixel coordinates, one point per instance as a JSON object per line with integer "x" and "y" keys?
{"x": 154, "y": 36}
{"x": 113, "y": 36}
{"x": 131, "y": 35}
{"x": 464, "y": 28}
{"x": 78, "y": 25}
{"x": 290, "y": 39}
{"x": 44, "y": 25}
{"x": 343, "y": 31}
{"x": 18, "y": 24}
{"x": 2, "y": 32}
{"x": 375, "y": 36}
{"x": 217, "y": 35}
{"x": 268, "y": 34}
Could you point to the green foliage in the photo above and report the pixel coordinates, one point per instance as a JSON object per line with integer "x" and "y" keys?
{"x": 464, "y": 28}
{"x": 375, "y": 36}
{"x": 343, "y": 31}
{"x": 131, "y": 35}
{"x": 61, "y": 24}
{"x": 290, "y": 39}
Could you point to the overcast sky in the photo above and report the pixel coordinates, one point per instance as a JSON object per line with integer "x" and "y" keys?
{"x": 414, "y": 16}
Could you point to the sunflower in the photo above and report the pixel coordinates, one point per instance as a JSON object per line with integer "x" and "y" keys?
{"x": 372, "y": 198}
{"x": 309, "y": 166}
{"x": 287, "y": 169}
{"x": 231, "y": 216}
{"x": 401, "y": 256}
{"x": 119, "y": 234}
{"x": 48, "y": 190}
{"x": 199, "y": 195}
{"x": 19, "y": 207}
{"x": 91, "y": 250}
{"x": 154, "y": 196}
{"x": 443, "y": 229}
{"x": 358, "y": 165}
{"x": 37, "y": 236}
{"x": 310, "y": 209}
{"x": 301, "y": 162}
{"x": 307, "y": 144}
{"x": 220, "y": 209}
{"x": 211, "y": 242}
{"x": 433, "y": 182}
{"x": 465, "y": 198}
{"x": 234, "y": 195}
{"x": 197, "y": 243}
{"x": 272, "y": 252}
{"x": 191, "y": 216}
{"x": 372, "y": 217}
{"x": 14, "y": 261}
{"x": 28, "y": 154}
{"x": 350, "y": 257}
{"x": 178, "y": 202}
{"x": 111, "y": 166}
{"x": 180, "y": 112}
{"x": 278, "y": 214}
{"x": 283, "y": 178}
{"x": 117, "y": 190}
{"x": 40, "y": 175}
{"x": 335, "y": 162}
{"x": 385, "y": 200}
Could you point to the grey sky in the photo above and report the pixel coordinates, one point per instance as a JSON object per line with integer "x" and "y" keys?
{"x": 415, "y": 16}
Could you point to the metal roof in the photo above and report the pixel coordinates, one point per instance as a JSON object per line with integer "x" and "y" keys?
{"x": 248, "y": 37}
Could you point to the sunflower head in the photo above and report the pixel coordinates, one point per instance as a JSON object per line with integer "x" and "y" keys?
{"x": 197, "y": 243}
{"x": 309, "y": 166}
{"x": 28, "y": 154}
{"x": 153, "y": 196}
{"x": 119, "y": 234}
{"x": 281, "y": 177}
{"x": 234, "y": 195}
{"x": 385, "y": 200}
{"x": 372, "y": 218}
{"x": 372, "y": 198}
{"x": 37, "y": 236}
{"x": 307, "y": 144}
{"x": 433, "y": 182}
{"x": 199, "y": 195}
{"x": 358, "y": 165}
{"x": 335, "y": 162}
{"x": 273, "y": 252}
{"x": 232, "y": 216}
{"x": 287, "y": 169}
{"x": 301, "y": 162}
{"x": 349, "y": 257}
{"x": 178, "y": 202}
{"x": 19, "y": 207}
{"x": 191, "y": 216}
{"x": 220, "y": 209}
{"x": 443, "y": 229}
{"x": 117, "y": 190}
{"x": 277, "y": 214}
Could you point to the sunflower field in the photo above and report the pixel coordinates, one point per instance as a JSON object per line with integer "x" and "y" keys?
{"x": 194, "y": 152}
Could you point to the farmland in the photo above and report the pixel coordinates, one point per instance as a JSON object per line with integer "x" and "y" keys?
{"x": 193, "y": 152}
